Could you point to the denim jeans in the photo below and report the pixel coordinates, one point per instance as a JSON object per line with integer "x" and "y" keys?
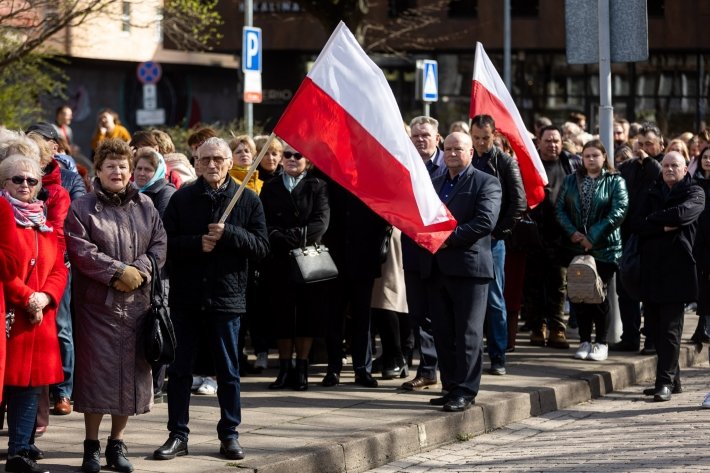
{"x": 496, "y": 317}
{"x": 66, "y": 345}
{"x": 21, "y": 414}
{"x": 222, "y": 334}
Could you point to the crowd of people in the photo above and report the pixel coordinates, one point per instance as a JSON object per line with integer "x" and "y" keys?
{"x": 79, "y": 246}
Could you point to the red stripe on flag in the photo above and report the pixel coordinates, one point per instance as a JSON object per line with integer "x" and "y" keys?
{"x": 484, "y": 102}
{"x": 338, "y": 145}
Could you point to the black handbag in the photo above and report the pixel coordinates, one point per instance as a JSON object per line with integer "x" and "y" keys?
{"x": 311, "y": 264}
{"x": 159, "y": 335}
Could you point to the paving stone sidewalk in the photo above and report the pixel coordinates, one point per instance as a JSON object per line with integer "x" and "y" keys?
{"x": 624, "y": 431}
{"x": 353, "y": 429}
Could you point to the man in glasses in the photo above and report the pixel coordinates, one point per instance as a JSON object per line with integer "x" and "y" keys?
{"x": 207, "y": 265}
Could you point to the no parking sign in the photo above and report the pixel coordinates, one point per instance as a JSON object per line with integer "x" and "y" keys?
{"x": 149, "y": 72}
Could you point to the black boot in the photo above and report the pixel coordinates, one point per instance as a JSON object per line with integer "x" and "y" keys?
{"x": 301, "y": 382}
{"x": 91, "y": 462}
{"x": 116, "y": 456}
{"x": 283, "y": 378}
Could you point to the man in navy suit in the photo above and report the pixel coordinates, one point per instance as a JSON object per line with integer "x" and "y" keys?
{"x": 458, "y": 274}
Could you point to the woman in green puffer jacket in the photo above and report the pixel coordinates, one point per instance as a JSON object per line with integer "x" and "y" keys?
{"x": 590, "y": 208}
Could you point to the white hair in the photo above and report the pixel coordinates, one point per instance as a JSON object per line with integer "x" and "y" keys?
{"x": 221, "y": 144}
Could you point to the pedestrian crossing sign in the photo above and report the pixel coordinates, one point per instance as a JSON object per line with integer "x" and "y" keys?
{"x": 430, "y": 90}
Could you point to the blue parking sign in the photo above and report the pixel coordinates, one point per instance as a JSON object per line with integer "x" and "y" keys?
{"x": 251, "y": 49}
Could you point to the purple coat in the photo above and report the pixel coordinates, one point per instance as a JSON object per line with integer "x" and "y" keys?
{"x": 111, "y": 375}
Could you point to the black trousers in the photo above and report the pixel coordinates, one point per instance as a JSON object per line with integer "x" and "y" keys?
{"x": 666, "y": 323}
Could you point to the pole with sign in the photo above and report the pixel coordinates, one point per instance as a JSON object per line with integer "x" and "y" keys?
{"x": 149, "y": 73}
{"x": 426, "y": 85}
{"x": 251, "y": 67}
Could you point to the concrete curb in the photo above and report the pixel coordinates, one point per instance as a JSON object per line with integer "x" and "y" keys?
{"x": 378, "y": 446}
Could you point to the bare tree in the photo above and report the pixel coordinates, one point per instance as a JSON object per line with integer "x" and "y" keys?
{"x": 25, "y": 25}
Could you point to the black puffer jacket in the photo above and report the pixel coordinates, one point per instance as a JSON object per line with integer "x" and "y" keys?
{"x": 73, "y": 183}
{"x": 215, "y": 281}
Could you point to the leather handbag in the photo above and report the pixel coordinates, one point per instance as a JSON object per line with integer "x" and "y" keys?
{"x": 312, "y": 263}
{"x": 159, "y": 340}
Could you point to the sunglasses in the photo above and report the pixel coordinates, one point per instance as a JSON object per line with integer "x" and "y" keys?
{"x": 289, "y": 155}
{"x": 31, "y": 181}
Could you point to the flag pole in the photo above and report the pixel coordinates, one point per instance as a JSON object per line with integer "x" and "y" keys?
{"x": 245, "y": 181}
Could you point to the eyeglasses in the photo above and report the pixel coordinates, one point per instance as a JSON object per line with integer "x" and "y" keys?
{"x": 205, "y": 160}
{"x": 289, "y": 155}
{"x": 31, "y": 181}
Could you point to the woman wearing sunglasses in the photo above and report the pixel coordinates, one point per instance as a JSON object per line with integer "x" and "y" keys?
{"x": 33, "y": 358}
{"x": 295, "y": 203}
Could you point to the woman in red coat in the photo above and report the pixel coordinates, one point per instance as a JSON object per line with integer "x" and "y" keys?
{"x": 33, "y": 358}
{"x": 9, "y": 266}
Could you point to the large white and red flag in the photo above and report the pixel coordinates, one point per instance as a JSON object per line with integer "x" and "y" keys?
{"x": 489, "y": 96}
{"x": 345, "y": 119}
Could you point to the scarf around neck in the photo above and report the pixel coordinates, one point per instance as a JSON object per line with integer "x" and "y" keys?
{"x": 28, "y": 214}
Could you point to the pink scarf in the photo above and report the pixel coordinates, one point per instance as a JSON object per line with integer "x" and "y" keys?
{"x": 28, "y": 214}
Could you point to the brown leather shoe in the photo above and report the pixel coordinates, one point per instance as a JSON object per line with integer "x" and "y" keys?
{"x": 558, "y": 339}
{"x": 538, "y": 337}
{"x": 418, "y": 383}
{"x": 62, "y": 407}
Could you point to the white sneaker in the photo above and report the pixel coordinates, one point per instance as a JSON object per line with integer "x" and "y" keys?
{"x": 262, "y": 361}
{"x": 599, "y": 352}
{"x": 208, "y": 387}
{"x": 197, "y": 382}
{"x": 583, "y": 351}
{"x": 706, "y": 402}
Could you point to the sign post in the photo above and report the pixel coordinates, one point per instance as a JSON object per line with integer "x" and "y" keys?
{"x": 149, "y": 73}
{"x": 426, "y": 85}
{"x": 251, "y": 67}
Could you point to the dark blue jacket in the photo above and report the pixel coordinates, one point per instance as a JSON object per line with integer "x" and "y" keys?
{"x": 475, "y": 203}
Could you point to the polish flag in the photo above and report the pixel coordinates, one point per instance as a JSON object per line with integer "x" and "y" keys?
{"x": 344, "y": 118}
{"x": 489, "y": 96}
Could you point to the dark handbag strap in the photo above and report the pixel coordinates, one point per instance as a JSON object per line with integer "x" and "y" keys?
{"x": 156, "y": 286}
{"x": 305, "y": 234}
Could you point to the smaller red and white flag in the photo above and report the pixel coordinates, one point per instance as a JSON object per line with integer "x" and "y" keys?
{"x": 344, "y": 118}
{"x": 489, "y": 96}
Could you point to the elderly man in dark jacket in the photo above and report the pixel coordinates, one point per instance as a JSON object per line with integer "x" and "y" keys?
{"x": 207, "y": 265}
{"x": 666, "y": 226}
{"x": 493, "y": 161}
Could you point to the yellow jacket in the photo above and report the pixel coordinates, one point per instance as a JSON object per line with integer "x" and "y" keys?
{"x": 238, "y": 173}
{"x": 119, "y": 131}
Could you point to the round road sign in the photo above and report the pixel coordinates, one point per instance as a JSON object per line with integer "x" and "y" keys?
{"x": 149, "y": 72}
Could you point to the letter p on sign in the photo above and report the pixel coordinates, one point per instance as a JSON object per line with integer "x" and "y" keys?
{"x": 251, "y": 49}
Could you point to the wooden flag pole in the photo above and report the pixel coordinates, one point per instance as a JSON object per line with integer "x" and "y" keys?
{"x": 246, "y": 179}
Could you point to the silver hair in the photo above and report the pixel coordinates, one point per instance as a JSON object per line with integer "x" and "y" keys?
{"x": 424, "y": 120}
{"x": 220, "y": 143}
{"x": 15, "y": 163}
{"x": 21, "y": 144}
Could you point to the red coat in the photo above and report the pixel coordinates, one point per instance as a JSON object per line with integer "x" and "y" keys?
{"x": 57, "y": 201}
{"x": 33, "y": 357}
{"x": 9, "y": 267}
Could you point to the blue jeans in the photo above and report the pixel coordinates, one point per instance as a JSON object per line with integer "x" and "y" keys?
{"x": 66, "y": 345}
{"x": 495, "y": 311}
{"x": 222, "y": 332}
{"x": 21, "y": 414}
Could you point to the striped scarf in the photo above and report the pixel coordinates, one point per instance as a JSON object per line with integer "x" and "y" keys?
{"x": 28, "y": 214}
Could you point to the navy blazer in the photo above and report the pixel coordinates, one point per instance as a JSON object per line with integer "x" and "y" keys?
{"x": 475, "y": 203}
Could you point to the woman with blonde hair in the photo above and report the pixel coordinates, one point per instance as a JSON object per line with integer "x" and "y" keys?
{"x": 243, "y": 154}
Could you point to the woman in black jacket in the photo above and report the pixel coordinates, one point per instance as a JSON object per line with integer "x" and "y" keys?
{"x": 296, "y": 209}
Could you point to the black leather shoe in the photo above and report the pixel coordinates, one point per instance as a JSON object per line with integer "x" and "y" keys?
{"x": 231, "y": 449}
{"x": 173, "y": 447}
{"x": 23, "y": 464}
{"x": 330, "y": 379}
{"x": 439, "y": 401}
{"x": 457, "y": 404}
{"x": 35, "y": 453}
{"x": 662, "y": 394}
{"x": 365, "y": 379}
{"x": 648, "y": 351}
{"x": 677, "y": 389}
